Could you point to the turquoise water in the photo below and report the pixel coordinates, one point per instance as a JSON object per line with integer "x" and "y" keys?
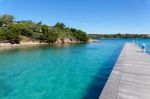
{"x": 145, "y": 41}
{"x": 51, "y": 72}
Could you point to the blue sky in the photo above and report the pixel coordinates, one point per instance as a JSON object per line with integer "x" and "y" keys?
{"x": 92, "y": 16}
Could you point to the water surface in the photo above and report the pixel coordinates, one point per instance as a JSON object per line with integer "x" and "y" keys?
{"x": 65, "y": 72}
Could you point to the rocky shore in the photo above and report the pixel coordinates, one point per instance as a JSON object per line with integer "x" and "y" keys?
{"x": 93, "y": 40}
{"x": 31, "y": 43}
{"x": 21, "y": 44}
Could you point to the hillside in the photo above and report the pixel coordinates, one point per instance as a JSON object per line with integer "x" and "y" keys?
{"x": 14, "y": 32}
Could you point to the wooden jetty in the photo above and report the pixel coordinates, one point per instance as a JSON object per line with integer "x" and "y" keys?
{"x": 130, "y": 77}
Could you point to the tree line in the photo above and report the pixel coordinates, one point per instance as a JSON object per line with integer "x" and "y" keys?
{"x": 119, "y": 35}
{"x": 12, "y": 31}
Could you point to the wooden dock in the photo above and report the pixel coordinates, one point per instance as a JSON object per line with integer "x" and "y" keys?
{"x": 130, "y": 77}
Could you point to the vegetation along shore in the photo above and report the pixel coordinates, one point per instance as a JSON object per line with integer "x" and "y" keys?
{"x": 119, "y": 35}
{"x": 28, "y": 32}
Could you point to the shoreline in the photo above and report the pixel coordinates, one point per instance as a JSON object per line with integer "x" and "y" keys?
{"x": 93, "y": 40}
{"x": 21, "y": 44}
{"x": 34, "y": 43}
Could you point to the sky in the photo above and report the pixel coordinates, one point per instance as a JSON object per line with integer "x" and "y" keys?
{"x": 92, "y": 16}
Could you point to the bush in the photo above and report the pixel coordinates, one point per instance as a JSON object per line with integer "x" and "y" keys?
{"x": 81, "y": 36}
{"x": 36, "y": 36}
{"x": 52, "y": 37}
{"x": 12, "y": 36}
{"x": 2, "y": 34}
{"x": 45, "y": 28}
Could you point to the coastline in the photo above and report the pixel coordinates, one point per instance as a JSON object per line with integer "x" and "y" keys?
{"x": 93, "y": 40}
{"x": 34, "y": 43}
{"x": 21, "y": 44}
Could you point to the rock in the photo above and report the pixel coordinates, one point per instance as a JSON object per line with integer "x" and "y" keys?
{"x": 93, "y": 40}
{"x": 65, "y": 40}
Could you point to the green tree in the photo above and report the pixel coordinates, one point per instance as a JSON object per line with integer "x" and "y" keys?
{"x": 80, "y": 35}
{"x": 2, "y": 34}
{"x": 6, "y": 20}
{"x": 37, "y": 36}
{"x": 52, "y": 37}
{"x": 45, "y": 29}
{"x": 38, "y": 27}
{"x": 12, "y": 36}
{"x": 60, "y": 26}
{"x": 22, "y": 29}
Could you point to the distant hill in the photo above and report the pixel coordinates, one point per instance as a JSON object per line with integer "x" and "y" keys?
{"x": 119, "y": 35}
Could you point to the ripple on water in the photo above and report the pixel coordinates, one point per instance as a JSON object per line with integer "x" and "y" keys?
{"x": 73, "y": 72}
{"x": 5, "y": 88}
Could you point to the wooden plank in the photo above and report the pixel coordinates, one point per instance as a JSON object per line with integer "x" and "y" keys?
{"x": 130, "y": 77}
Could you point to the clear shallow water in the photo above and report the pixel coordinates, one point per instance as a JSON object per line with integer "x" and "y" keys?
{"x": 66, "y": 72}
{"x": 145, "y": 41}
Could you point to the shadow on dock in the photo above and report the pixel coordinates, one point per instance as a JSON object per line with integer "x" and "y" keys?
{"x": 95, "y": 88}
